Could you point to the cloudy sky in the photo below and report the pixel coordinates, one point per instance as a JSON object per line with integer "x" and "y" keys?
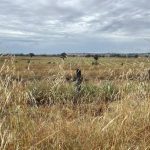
{"x": 54, "y": 26}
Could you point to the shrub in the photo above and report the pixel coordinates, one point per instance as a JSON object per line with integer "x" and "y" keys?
{"x": 63, "y": 55}
{"x": 39, "y": 94}
{"x": 90, "y": 89}
{"x": 96, "y": 57}
{"x": 44, "y": 93}
{"x": 109, "y": 92}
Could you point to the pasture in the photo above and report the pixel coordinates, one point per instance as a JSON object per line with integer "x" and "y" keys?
{"x": 112, "y": 109}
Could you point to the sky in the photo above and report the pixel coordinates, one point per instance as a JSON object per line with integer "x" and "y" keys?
{"x": 74, "y": 26}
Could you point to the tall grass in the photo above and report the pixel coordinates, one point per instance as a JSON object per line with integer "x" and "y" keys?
{"x": 39, "y": 114}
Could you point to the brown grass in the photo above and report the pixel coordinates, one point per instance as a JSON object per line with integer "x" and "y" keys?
{"x": 113, "y": 110}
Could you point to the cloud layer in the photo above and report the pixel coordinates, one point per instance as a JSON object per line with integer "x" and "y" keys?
{"x": 49, "y": 26}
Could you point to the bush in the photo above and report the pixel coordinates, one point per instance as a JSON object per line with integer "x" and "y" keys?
{"x": 89, "y": 93}
{"x": 109, "y": 92}
{"x": 44, "y": 93}
{"x": 39, "y": 94}
{"x": 90, "y": 89}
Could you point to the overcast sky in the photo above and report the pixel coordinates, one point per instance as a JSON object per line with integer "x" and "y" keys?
{"x": 54, "y": 26}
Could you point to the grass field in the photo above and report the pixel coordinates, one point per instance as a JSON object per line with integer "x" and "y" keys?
{"x": 37, "y": 110}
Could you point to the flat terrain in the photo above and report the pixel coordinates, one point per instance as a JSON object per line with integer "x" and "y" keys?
{"x": 37, "y": 109}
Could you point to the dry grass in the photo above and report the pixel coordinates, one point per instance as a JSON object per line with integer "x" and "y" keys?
{"x": 37, "y": 111}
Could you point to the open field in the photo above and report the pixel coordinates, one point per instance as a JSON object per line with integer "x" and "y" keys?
{"x": 37, "y": 109}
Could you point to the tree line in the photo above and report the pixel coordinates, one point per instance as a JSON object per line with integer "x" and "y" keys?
{"x": 64, "y": 55}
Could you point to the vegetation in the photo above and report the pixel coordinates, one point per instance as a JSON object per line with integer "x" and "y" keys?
{"x": 63, "y": 55}
{"x": 96, "y": 57}
{"x": 37, "y": 109}
{"x": 31, "y": 54}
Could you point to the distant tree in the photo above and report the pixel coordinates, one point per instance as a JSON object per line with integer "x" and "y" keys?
{"x": 96, "y": 57}
{"x": 31, "y": 54}
{"x": 63, "y": 55}
{"x": 136, "y": 56}
{"x": 21, "y": 54}
{"x": 88, "y": 55}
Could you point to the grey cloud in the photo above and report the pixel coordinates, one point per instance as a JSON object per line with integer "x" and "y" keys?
{"x": 68, "y": 22}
